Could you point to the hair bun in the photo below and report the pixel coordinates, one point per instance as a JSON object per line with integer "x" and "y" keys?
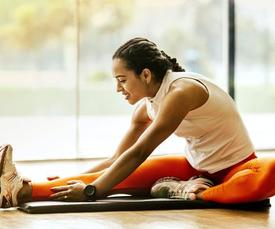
{"x": 173, "y": 60}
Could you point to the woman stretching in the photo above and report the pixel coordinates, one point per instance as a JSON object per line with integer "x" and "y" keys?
{"x": 219, "y": 162}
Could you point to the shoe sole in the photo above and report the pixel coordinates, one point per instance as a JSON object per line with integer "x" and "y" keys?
{"x": 4, "y": 150}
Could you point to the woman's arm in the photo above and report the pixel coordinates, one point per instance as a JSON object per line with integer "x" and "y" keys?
{"x": 178, "y": 102}
{"x": 140, "y": 121}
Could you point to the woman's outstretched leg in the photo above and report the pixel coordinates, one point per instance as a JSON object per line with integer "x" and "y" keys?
{"x": 251, "y": 181}
{"x": 42, "y": 190}
{"x": 139, "y": 182}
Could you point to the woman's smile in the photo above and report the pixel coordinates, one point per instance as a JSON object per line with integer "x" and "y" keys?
{"x": 126, "y": 95}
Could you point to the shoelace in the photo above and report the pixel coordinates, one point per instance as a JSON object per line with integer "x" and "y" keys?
{"x": 193, "y": 185}
{"x": 164, "y": 179}
{"x": 179, "y": 192}
{"x": 7, "y": 200}
{"x": 6, "y": 196}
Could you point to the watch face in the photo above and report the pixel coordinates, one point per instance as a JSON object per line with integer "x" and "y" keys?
{"x": 89, "y": 191}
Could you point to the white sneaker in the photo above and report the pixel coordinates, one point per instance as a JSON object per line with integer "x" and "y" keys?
{"x": 174, "y": 188}
{"x": 11, "y": 182}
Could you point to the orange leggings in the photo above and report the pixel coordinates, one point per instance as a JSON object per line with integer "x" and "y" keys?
{"x": 250, "y": 180}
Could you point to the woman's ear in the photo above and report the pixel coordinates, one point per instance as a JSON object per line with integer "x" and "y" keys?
{"x": 146, "y": 75}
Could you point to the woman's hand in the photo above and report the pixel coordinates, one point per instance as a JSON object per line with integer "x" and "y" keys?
{"x": 71, "y": 192}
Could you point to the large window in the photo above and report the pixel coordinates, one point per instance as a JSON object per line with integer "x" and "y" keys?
{"x": 188, "y": 30}
{"x": 255, "y": 69}
{"x": 57, "y": 94}
{"x": 37, "y": 78}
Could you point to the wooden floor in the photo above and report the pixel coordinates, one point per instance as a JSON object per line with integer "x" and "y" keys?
{"x": 205, "y": 218}
{"x": 199, "y": 218}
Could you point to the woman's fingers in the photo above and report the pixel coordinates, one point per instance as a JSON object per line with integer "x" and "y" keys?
{"x": 205, "y": 181}
{"x": 192, "y": 196}
{"x": 62, "y": 195}
{"x": 197, "y": 188}
{"x": 60, "y": 188}
{"x": 72, "y": 192}
{"x": 74, "y": 181}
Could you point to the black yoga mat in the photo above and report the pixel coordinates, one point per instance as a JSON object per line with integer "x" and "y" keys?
{"x": 131, "y": 204}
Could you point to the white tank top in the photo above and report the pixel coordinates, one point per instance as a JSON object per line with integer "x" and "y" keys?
{"x": 215, "y": 134}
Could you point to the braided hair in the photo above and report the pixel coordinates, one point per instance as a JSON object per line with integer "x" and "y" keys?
{"x": 139, "y": 53}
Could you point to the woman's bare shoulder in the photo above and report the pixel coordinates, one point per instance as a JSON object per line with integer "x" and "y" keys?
{"x": 191, "y": 89}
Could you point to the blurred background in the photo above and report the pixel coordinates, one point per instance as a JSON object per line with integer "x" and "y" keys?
{"x": 57, "y": 94}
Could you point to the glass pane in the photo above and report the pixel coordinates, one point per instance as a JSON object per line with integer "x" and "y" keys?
{"x": 37, "y": 78}
{"x": 255, "y": 69}
{"x": 191, "y": 31}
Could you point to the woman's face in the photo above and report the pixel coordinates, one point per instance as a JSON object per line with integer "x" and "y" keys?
{"x": 133, "y": 87}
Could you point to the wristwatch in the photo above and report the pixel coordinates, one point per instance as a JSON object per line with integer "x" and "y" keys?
{"x": 90, "y": 192}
